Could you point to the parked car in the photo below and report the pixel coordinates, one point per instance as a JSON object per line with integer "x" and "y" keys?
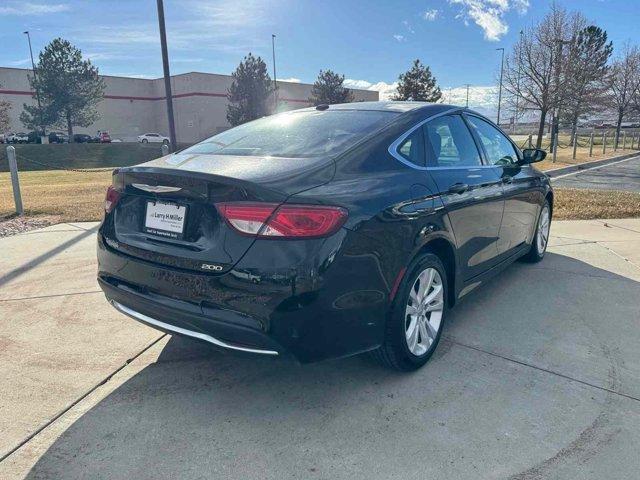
{"x": 35, "y": 136}
{"x": 81, "y": 138}
{"x": 153, "y": 138}
{"x": 104, "y": 137}
{"x": 9, "y": 137}
{"x": 21, "y": 138}
{"x": 58, "y": 137}
{"x": 364, "y": 223}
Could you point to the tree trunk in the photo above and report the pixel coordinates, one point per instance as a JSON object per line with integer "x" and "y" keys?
{"x": 69, "y": 127}
{"x": 574, "y": 128}
{"x": 618, "y": 126}
{"x": 541, "y": 125}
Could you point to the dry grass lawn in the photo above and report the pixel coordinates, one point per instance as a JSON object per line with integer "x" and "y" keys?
{"x": 578, "y": 204}
{"x": 73, "y": 197}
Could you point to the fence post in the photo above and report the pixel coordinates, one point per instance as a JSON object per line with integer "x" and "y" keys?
{"x": 575, "y": 144}
{"x": 13, "y": 166}
{"x": 604, "y": 143}
{"x": 624, "y": 140}
{"x": 165, "y": 149}
{"x": 591, "y": 145}
{"x": 530, "y": 143}
{"x": 555, "y": 147}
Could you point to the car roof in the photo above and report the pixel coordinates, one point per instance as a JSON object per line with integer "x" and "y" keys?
{"x": 391, "y": 106}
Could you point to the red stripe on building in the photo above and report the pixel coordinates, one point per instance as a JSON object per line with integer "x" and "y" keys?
{"x": 129, "y": 97}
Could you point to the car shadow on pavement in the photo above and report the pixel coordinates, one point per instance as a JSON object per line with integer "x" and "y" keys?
{"x": 198, "y": 413}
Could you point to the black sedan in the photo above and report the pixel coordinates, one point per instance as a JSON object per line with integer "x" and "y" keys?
{"x": 323, "y": 232}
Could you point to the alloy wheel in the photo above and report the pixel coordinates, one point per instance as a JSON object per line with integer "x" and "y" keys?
{"x": 543, "y": 229}
{"x": 423, "y": 313}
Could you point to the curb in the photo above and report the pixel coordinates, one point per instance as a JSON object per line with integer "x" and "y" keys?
{"x": 556, "y": 172}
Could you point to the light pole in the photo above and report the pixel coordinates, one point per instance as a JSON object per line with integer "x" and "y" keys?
{"x": 467, "y": 85}
{"x": 33, "y": 67}
{"x": 515, "y": 120}
{"x": 167, "y": 76}
{"x": 500, "y": 88}
{"x": 275, "y": 85}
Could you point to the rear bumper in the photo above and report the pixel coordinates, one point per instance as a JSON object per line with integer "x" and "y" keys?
{"x": 310, "y": 304}
{"x": 171, "y": 316}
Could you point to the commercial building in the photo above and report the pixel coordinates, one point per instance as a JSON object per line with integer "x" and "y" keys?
{"x": 133, "y": 106}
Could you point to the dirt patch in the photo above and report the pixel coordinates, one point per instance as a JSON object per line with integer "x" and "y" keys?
{"x": 14, "y": 225}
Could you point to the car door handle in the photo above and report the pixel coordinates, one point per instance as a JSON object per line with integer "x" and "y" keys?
{"x": 458, "y": 188}
{"x": 507, "y": 179}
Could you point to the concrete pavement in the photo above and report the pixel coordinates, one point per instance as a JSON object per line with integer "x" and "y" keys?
{"x": 538, "y": 376}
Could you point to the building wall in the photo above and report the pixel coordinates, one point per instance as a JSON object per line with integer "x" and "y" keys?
{"x": 133, "y": 106}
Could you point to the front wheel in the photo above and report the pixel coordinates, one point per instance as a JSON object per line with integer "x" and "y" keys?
{"x": 415, "y": 323}
{"x": 541, "y": 237}
{"x": 144, "y": 140}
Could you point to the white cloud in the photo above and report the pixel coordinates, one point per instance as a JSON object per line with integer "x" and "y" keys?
{"x": 489, "y": 14}
{"x": 399, "y": 38}
{"x": 431, "y": 15}
{"x": 482, "y": 98}
{"x": 290, "y": 80}
{"x": 29, "y": 8}
{"x": 408, "y": 26}
{"x": 19, "y": 63}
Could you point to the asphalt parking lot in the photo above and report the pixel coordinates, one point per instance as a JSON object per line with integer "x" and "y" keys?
{"x": 538, "y": 376}
{"x": 621, "y": 175}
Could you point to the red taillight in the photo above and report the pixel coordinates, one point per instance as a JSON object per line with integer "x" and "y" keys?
{"x": 286, "y": 221}
{"x": 110, "y": 199}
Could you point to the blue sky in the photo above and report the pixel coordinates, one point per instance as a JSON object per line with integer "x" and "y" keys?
{"x": 369, "y": 42}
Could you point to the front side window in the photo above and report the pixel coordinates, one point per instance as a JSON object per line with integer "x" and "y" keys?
{"x": 500, "y": 151}
{"x": 296, "y": 134}
{"x": 450, "y": 143}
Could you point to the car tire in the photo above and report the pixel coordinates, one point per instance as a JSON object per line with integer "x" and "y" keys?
{"x": 165, "y": 142}
{"x": 540, "y": 239}
{"x": 397, "y": 351}
{"x": 144, "y": 140}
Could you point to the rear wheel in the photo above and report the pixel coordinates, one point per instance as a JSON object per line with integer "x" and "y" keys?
{"x": 417, "y": 316}
{"x": 541, "y": 237}
{"x": 144, "y": 140}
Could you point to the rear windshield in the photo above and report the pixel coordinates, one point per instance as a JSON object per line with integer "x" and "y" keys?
{"x": 296, "y": 134}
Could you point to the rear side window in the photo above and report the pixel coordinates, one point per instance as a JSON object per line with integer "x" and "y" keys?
{"x": 449, "y": 143}
{"x": 412, "y": 148}
{"x": 296, "y": 134}
{"x": 500, "y": 151}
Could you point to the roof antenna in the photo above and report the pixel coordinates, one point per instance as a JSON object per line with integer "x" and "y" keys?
{"x": 322, "y": 106}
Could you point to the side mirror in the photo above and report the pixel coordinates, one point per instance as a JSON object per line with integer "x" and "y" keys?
{"x": 533, "y": 155}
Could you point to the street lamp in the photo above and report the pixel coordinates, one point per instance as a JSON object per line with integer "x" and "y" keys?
{"x": 275, "y": 85}
{"x": 167, "y": 76}
{"x": 500, "y": 89}
{"x": 33, "y": 67}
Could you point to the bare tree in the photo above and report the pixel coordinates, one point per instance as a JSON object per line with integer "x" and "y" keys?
{"x": 624, "y": 86}
{"x": 535, "y": 74}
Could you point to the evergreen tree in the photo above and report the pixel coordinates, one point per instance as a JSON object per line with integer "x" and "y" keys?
{"x": 418, "y": 84}
{"x": 4, "y": 115}
{"x": 249, "y": 91}
{"x": 587, "y": 72}
{"x": 329, "y": 89}
{"x": 69, "y": 88}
